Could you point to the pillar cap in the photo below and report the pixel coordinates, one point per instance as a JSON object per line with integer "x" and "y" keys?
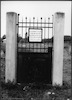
{"x": 60, "y": 14}
{"x": 11, "y": 13}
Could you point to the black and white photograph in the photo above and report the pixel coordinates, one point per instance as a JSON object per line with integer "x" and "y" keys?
{"x": 35, "y": 50}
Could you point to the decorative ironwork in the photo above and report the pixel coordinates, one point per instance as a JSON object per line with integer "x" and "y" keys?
{"x": 34, "y": 50}
{"x": 25, "y": 45}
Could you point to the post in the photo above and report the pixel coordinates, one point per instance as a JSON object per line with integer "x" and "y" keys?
{"x": 11, "y": 46}
{"x": 57, "y": 77}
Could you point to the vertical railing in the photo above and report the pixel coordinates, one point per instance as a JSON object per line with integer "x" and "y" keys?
{"x": 44, "y": 33}
{"x": 44, "y": 25}
{"x": 22, "y": 35}
{"x": 37, "y": 23}
{"x": 48, "y": 30}
{"x": 33, "y": 28}
{"x": 28, "y": 32}
{"x": 25, "y": 33}
{"x": 37, "y": 28}
{"x": 52, "y": 33}
{"x": 41, "y": 34}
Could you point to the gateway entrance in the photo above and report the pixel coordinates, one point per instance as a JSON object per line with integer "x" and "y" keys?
{"x": 34, "y": 51}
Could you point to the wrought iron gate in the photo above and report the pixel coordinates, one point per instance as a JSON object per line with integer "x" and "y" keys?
{"x": 34, "y": 51}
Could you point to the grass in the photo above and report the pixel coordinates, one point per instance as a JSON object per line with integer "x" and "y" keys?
{"x": 39, "y": 91}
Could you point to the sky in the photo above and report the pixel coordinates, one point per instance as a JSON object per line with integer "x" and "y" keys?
{"x": 36, "y": 9}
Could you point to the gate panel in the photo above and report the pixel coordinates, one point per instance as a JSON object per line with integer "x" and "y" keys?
{"x": 34, "y": 54}
{"x": 34, "y": 67}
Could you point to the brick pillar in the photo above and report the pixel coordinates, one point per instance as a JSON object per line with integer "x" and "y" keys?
{"x": 11, "y": 46}
{"x": 57, "y": 77}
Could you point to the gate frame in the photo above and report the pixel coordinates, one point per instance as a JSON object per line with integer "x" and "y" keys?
{"x": 11, "y": 48}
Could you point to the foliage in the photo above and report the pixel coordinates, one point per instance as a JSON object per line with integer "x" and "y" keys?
{"x": 68, "y": 38}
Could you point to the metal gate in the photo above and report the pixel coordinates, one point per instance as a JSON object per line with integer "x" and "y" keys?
{"x": 34, "y": 51}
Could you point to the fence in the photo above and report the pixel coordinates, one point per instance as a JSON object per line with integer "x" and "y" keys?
{"x": 34, "y": 35}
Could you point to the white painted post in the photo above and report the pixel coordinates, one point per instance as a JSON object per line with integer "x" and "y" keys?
{"x": 57, "y": 77}
{"x": 11, "y": 46}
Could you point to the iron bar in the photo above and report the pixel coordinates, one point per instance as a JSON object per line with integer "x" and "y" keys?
{"x": 22, "y": 32}
{"x": 35, "y": 27}
{"x": 22, "y": 27}
{"x": 48, "y": 27}
{"x": 41, "y": 33}
{"x": 48, "y": 30}
{"x": 26, "y": 32}
{"x": 52, "y": 32}
{"x": 34, "y": 48}
{"x": 36, "y": 22}
{"x": 44, "y": 33}
{"x": 33, "y": 21}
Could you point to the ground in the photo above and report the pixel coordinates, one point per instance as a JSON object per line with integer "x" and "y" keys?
{"x": 40, "y": 91}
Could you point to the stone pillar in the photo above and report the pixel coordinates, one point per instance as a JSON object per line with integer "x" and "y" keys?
{"x": 57, "y": 77}
{"x": 11, "y": 46}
